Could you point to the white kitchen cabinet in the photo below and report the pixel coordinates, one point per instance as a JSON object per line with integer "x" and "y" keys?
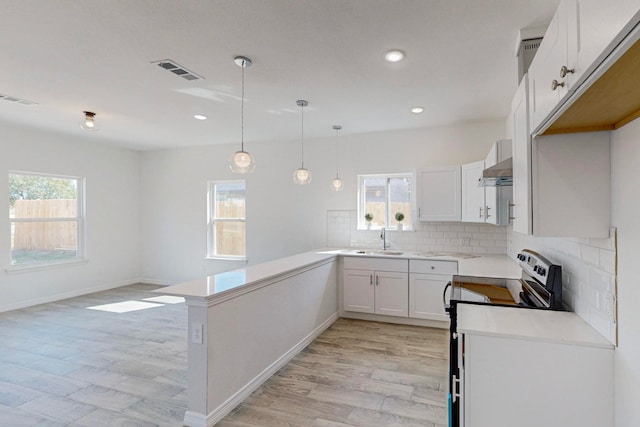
{"x": 376, "y": 285}
{"x": 525, "y": 383}
{"x": 427, "y": 281}
{"x": 561, "y": 183}
{"x": 521, "y": 207}
{"x": 579, "y": 38}
{"x": 544, "y": 69}
{"x": 486, "y": 204}
{"x": 439, "y": 194}
{"x": 473, "y": 195}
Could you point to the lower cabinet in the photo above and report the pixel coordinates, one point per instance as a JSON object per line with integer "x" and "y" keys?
{"x": 427, "y": 282}
{"x": 508, "y": 382}
{"x": 377, "y": 286}
{"x": 396, "y": 287}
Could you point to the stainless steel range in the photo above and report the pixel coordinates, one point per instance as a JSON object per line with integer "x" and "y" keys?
{"x": 539, "y": 287}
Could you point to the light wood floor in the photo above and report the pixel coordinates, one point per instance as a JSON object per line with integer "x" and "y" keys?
{"x": 64, "y": 365}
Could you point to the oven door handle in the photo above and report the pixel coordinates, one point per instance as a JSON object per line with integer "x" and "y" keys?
{"x": 444, "y": 296}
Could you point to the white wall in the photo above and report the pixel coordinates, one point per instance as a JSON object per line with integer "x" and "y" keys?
{"x": 626, "y": 208}
{"x": 112, "y": 234}
{"x": 282, "y": 218}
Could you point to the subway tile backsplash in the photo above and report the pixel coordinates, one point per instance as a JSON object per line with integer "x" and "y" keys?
{"x": 588, "y": 275}
{"x": 428, "y": 237}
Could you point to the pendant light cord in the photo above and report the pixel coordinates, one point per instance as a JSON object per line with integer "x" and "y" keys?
{"x": 242, "y": 108}
{"x": 337, "y": 152}
{"x": 302, "y": 133}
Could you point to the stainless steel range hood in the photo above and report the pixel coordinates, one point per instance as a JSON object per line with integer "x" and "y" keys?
{"x": 498, "y": 175}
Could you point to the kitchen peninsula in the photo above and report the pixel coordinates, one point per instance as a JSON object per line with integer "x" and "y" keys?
{"x": 246, "y": 324}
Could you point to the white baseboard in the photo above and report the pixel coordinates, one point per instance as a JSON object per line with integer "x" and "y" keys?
{"x": 193, "y": 419}
{"x": 64, "y": 295}
{"x": 150, "y": 281}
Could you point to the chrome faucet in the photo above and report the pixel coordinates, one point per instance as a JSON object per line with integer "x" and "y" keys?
{"x": 383, "y": 236}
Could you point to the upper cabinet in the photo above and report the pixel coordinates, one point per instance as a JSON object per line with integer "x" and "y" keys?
{"x": 439, "y": 194}
{"x": 521, "y": 207}
{"x": 577, "y": 58}
{"x": 486, "y": 204}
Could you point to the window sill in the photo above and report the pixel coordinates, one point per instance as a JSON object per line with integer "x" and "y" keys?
{"x": 226, "y": 258}
{"x": 385, "y": 228}
{"x": 17, "y": 269}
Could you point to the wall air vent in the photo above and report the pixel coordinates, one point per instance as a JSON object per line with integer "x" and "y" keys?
{"x": 176, "y": 69}
{"x": 15, "y": 100}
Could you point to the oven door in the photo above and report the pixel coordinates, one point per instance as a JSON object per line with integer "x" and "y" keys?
{"x": 454, "y": 371}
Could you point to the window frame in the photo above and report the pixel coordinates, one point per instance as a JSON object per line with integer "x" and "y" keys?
{"x": 362, "y": 224}
{"x": 79, "y": 219}
{"x": 212, "y": 220}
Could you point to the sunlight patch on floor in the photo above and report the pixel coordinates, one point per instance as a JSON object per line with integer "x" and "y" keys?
{"x": 125, "y": 306}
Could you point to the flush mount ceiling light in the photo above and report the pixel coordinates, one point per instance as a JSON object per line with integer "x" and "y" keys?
{"x": 417, "y": 110}
{"x": 336, "y": 183}
{"x": 89, "y": 121}
{"x": 241, "y": 161}
{"x": 199, "y": 117}
{"x": 302, "y": 176}
{"x": 394, "y": 55}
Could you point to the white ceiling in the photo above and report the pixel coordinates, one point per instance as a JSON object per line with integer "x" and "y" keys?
{"x": 72, "y": 55}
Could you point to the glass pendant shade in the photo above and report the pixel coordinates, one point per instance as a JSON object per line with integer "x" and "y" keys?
{"x": 302, "y": 176}
{"x": 336, "y": 184}
{"x": 89, "y": 121}
{"x": 241, "y": 162}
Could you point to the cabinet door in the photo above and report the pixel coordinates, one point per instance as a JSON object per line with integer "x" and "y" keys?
{"x": 545, "y": 68}
{"x": 425, "y": 296}
{"x": 473, "y": 203}
{"x": 521, "y": 211}
{"x": 358, "y": 291}
{"x": 592, "y": 26}
{"x": 439, "y": 194}
{"x": 392, "y": 293}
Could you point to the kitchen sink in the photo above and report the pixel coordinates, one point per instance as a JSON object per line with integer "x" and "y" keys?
{"x": 373, "y": 252}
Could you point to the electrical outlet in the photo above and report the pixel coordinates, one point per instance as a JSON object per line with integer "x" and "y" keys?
{"x": 608, "y": 306}
{"x": 196, "y": 333}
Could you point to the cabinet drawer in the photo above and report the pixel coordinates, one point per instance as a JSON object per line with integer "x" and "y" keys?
{"x": 433, "y": 267}
{"x": 379, "y": 264}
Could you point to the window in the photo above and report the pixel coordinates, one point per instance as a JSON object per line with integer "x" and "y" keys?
{"x": 227, "y": 220}
{"x": 46, "y": 216}
{"x": 382, "y": 197}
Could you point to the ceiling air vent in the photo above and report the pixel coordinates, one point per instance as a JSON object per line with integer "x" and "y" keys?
{"x": 176, "y": 69}
{"x": 15, "y": 100}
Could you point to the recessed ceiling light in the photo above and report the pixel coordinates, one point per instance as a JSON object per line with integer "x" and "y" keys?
{"x": 417, "y": 110}
{"x": 394, "y": 55}
{"x": 199, "y": 117}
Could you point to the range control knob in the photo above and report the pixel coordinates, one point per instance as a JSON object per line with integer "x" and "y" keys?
{"x": 536, "y": 268}
{"x": 542, "y": 271}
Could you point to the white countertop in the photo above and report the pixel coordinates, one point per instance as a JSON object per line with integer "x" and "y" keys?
{"x": 537, "y": 325}
{"x": 213, "y": 286}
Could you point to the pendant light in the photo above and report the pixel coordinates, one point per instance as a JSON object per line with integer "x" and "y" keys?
{"x": 336, "y": 184}
{"x": 241, "y": 161}
{"x": 89, "y": 121}
{"x": 302, "y": 176}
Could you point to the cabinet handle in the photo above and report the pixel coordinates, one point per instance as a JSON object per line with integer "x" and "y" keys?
{"x": 454, "y": 385}
{"x": 556, "y": 84}
{"x": 419, "y": 212}
{"x": 486, "y": 212}
{"x": 371, "y": 279}
{"x": 509, "y": 211}
{"x": 480, "y": 216}
{"x": 564, "y": 70}
{"x": 377, "y": 280}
